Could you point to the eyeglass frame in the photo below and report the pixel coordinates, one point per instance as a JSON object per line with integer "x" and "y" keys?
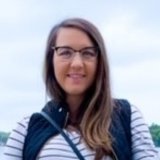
{"x": 55, "y": 48}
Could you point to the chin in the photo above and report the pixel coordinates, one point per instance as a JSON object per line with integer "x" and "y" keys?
{"x": 75, "y": 91}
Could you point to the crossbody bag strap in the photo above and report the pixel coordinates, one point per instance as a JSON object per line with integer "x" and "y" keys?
{"x": 55, "y": 125}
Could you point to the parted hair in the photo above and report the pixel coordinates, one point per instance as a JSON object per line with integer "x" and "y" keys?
{"x": 96, "y": 109}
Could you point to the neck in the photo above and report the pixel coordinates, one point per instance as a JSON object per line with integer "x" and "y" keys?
{"x": 74, "y": 103}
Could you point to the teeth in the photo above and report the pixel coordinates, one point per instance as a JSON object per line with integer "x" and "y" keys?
{"x": 75, "y": 76}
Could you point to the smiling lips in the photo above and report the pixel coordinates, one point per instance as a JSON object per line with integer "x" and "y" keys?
{"x": 76, "y": 76}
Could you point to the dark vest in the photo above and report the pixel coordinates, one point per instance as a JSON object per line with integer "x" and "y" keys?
{"x": 39, "y": 130}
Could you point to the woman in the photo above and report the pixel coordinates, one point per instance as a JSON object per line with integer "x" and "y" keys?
{"x": 77, "y": 80}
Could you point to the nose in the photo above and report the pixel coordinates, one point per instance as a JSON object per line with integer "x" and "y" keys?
{"x": 77, "y": 60}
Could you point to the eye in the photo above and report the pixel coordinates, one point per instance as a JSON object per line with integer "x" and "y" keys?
{"x": 89, "y": 53}
{"x": 64, "y": 52}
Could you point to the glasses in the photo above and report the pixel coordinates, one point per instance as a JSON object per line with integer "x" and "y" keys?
{"x": 67, "y": 53}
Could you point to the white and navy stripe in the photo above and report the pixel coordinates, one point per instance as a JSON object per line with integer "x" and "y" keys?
{"x": 142, "y": 143}
{"x": 57, "y": 148}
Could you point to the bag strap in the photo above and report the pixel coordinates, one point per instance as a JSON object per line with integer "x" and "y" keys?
{"x": 55, "y": 125}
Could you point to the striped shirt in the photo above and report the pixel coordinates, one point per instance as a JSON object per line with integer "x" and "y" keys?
{"x": 57, "y": 148}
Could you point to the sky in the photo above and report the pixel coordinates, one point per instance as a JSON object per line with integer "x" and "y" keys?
{"x": 131, "y": 30}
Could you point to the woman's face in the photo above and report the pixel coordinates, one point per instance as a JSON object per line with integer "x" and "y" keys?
{"x": 75, "y": 75}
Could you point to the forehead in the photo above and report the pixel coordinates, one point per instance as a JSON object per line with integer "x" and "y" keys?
{"x": 73, "y": 37}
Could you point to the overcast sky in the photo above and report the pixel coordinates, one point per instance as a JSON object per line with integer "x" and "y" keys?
{"x": 131, "y": 30}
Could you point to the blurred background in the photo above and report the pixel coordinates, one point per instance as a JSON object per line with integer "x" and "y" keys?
{"x": 131, "y": 30}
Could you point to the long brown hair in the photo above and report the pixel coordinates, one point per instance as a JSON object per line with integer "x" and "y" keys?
{"x": 96, "y": 116}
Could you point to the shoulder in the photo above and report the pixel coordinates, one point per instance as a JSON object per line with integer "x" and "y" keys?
{"x": 122, "y": 109}
{"x": 21, "y": 127}
{"x": 121, "y": 115}
{"x": 141, "y": 137}
{"x": 15, "y": 142}
{"x": 120, "y": 127}
{"x": 24, "y": 122}
{"x": 137, "y": 120}
{"x": 138, "y": 124}
{"x": 122, "y": 104}
{"x": 136, "y": 113}
{"x": 20, "y": 131}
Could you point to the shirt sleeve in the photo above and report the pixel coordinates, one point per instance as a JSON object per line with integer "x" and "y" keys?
{"x": 142, "y": 144}
{"x": 14, "y": 146}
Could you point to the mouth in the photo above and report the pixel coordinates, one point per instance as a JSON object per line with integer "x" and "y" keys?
{"x": 76, "y": 75}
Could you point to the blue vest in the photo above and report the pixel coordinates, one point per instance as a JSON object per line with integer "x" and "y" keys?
{"x": 39, "y": 130}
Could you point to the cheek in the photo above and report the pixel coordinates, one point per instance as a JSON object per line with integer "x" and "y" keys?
{"x": 95, "y": 68}
{"x": 55, "y": 66}
{"x": 59, "y": 70}
{"x": 92, "y": 72}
